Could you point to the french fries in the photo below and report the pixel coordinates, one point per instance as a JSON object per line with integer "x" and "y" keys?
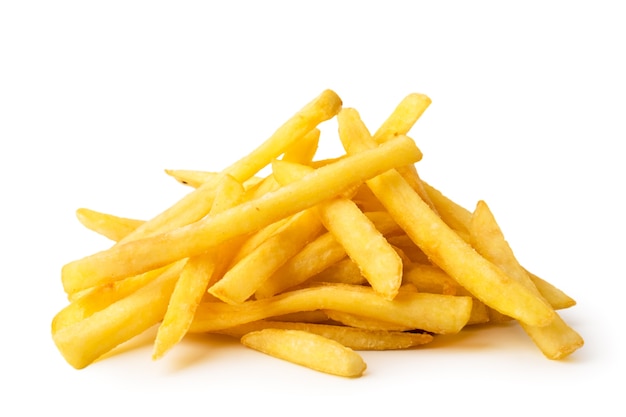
{"x": 316, "y": 260}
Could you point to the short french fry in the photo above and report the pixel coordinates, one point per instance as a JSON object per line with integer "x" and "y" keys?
{"x": 107, "y": 225}
{"x": 442, "y": 245}
{"x": 556, "y": 339}
{"x": 138, "y": 256}
{"x": 307, "y": 349}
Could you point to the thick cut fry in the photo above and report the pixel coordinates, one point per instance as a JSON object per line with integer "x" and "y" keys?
{"x": 442, "y": 245}
{"x": 247, "y": 275}
{"x": 353, "y": 338}
{"x": 108, "y": 225}
{"x": 380, "y": 264}
{"x": 307, "y": 349}
{"x": 194, "y": 278}
{"x": 83, "y": 342}
{"x": 142, "y": 255}
{"x": 556, "y": 340}
{"x": 430, "y": 312}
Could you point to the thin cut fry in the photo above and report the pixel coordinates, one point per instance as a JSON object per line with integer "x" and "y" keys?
{"x": 108, "y": 225}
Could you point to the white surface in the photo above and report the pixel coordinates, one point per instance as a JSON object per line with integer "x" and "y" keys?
{"x": 527, "y": 114}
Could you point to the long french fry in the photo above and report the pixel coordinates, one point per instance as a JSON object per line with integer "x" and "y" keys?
{"x": 194, "y": 278}
{"x": 556, "y": 340}
{"x": 351, "y": 337}
{"x": 142, "y": 255}
{"x": 442, "y": 245}
{"x": 430, "y": 312}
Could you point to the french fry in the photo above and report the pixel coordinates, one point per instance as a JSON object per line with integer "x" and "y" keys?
{"x": 108, "y": 225}
{"x": 303, "y": 151}
{"x": 430, "y": 312}
{"x": 353, "y": 338}
{"x": 556, "y": 339}
{"x": 307, "y": 349}
{"x": 442, "y": 245}
{"x": 246, "y": 276}
{"x": 380, "y": 264}
{"x": 84, "y": 341}
{"x": 138, "y": 256}
{"x": 194, "y": 278}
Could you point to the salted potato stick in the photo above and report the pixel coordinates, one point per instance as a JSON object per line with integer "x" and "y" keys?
{"x": 430, "y": 312}
{"x": 556, "y": 340}
{"x": 307, "y": 349}
{"x": 380, "y": 264}
{"x": 108, "y": 225}
{"x": 83, "y": 342}
{"x": 194, "y": 278}
{"x": 353, "y": 338}
{"x": 442, "y": 245}
{"x": 243, "y": 279}
{"x": 142, "y": 255}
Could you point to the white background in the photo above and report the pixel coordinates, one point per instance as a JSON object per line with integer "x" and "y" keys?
{"x": 97, "y": 98}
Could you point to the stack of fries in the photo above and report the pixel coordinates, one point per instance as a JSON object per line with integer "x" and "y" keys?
{"x": 311, "y": 263}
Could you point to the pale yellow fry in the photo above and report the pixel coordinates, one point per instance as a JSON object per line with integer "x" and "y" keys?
{"x": 108, "y": 225}
{"x": 353, "y": 338}
{"x": 303, "y": 151}
{"x": 342, "y": 272}
{"x": 194, "y": 278}
{"x": 430, "y": 312}
{"x": 443, "y": 246}
{"x": 556, "y": 340}
{"x": 84, "y": 341}
{"x": 307, "y": 349}
{"x": 247, "y": 275}
{"x": 135, "y": 257}
{"x": 365, "y": 323}
{"x": 557, "y": 298}
{"x": 380, "y": 264}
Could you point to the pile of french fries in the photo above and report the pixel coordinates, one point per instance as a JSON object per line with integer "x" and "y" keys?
{"x": 310, "y": 263}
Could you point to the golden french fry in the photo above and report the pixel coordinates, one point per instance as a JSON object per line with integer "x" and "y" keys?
{"x": 194, "y": 278}
{"x": 365, "y": 323}
{"x": 138, "y": 256}
{"x": 430, "y": 312}
{"x": 429, "y": 278}
{"x": 353, "y": 338}
{"x": 341, "y": 272}
{"x": 247, "y": 275}
{"x": 380, "y": 264}
{"x": 442, "y": 245}
{"x": 404, "y": 116}
{"x": 307, "y": 349}
{"x": 303, "y": 151}
{"x": 556, "y": 339}
{"x": 108, "y": 225}
{"x": 84, "y": 341}
{"x": 192, "y": 178}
